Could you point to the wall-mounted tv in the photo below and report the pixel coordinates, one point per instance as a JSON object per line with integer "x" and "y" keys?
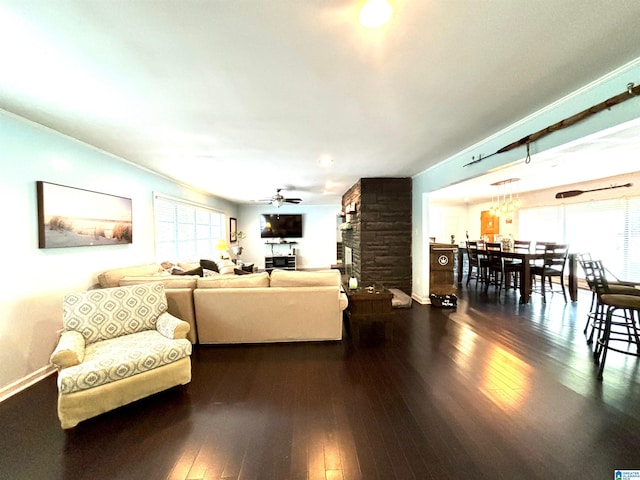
{"x": 280, "y": 225}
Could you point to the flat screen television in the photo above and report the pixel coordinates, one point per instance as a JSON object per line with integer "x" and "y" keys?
{"x": 280, "y": 225}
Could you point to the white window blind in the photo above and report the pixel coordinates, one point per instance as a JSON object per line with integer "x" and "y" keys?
{"x": 607, "y": 229}
{"x": 542, "y": 224}
{"x": 185, "y": 231}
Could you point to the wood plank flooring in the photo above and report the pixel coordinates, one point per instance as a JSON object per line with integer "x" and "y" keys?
{"x": 492, "y": 389}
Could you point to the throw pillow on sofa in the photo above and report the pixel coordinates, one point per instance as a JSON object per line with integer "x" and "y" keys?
{"x": 226, "y": 266}
{"x": 209, "y": 265}
{"x": 196, "y": 271}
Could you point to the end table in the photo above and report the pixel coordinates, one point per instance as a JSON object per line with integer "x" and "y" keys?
{"x": 368, "y": 305}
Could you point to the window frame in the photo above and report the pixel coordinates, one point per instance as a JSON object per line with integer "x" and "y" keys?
{"x": 194, "y": 237}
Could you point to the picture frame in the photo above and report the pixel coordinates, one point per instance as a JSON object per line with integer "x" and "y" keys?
{"x": 233, "y": 230}
{"x": 74, "y": 217}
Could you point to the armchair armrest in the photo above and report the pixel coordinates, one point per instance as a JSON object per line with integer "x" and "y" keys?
{"x": 69, "y": 351}
{"x": 172, "y": 327}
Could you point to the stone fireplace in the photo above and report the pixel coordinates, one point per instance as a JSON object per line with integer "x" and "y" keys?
{"x": 377, "y": 229}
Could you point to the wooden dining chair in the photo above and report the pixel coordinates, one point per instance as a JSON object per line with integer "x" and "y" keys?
{"x": 474, "y": 262}
{"x": 494, "y": 272}
{"x": 539, "y": 248}
{"x": 553, "y": 265}
{"x": 514, "y": 265}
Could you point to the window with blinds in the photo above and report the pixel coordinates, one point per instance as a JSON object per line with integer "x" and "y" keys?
{"x": 185, "y": 231}
{"x": 607, "y": 229}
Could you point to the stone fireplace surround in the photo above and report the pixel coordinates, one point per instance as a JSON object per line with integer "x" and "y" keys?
{"x": 380, "y": 233}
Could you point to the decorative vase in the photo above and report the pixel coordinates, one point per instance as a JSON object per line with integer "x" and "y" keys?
{"x": 353, "y": 283}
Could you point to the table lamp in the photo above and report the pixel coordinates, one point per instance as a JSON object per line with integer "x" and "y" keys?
{"x": 222, "y": 247}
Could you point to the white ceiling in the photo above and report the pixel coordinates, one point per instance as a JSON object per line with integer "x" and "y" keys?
{"x": 239, "y": 98}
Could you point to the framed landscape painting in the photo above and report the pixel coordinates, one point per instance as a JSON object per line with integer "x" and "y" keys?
{"x": 73, "y": 217}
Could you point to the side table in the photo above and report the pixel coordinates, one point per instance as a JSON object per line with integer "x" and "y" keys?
{"x": 367, "y": 306}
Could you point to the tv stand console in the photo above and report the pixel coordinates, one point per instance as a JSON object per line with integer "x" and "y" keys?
{"x": 282, "y": 262}
{"x": 280, "y": 255}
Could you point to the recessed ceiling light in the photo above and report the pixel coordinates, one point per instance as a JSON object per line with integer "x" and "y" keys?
{"x": 325, "y": 160}
{"x": 375, "y": 13}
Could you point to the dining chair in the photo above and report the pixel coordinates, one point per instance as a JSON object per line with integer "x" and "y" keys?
{"x": 493, "y": 265}
{"x": 539, "y": 248}
{"x": 474, "y": 262}
{"x": 620, "y": 332}
{"x": 514, "y": 265}
{"x": 553, "y": 265}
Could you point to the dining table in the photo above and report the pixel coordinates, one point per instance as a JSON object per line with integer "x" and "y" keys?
{"x": 525, "y": 271}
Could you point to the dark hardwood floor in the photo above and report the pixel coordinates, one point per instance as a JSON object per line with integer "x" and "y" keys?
{"x": 492, "y": 389}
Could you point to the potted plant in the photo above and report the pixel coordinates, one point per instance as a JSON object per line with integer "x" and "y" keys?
{"x": 237, "y": 249}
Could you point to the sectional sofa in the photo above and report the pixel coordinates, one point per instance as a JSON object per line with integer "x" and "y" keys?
{"x": 284, "y": 306}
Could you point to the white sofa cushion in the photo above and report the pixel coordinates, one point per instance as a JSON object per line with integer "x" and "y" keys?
{"x": 299, "y": 278}
{"x": 169, "y": 281}
{"x": 118, "y": 358}
{"x": 112, "y": 312}
{"x": 111, "y": 278}
{"x": 253, "y": 280}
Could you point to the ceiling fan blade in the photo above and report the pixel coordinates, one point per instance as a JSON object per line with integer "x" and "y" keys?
{"x": 293, "y": 200}
{"x": 575, "y": 193}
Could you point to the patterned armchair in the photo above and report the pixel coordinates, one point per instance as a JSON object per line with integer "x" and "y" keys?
{"x": 118, "y": 345}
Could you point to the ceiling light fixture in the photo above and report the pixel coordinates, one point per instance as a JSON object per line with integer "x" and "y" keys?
{"x": 505, "y": 205}
{"x": 375, "y": 13}
{"x": 325, "y": 160}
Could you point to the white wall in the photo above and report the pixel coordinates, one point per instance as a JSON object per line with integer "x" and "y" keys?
{"x": 317, "y": 247}
{"x": 34, "y": 280}
{"x": 445, "y": 221}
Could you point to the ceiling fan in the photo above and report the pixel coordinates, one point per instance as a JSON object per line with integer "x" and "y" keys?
{"x": 278, "y": 199}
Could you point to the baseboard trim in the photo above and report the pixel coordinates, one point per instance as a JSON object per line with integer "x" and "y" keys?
{"x": 421, "y": 300}
{"x": 25, "y": 382}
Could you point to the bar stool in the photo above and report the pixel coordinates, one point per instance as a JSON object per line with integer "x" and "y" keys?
{"x": 597, "y": 314}
{"x": 621, "y": 331}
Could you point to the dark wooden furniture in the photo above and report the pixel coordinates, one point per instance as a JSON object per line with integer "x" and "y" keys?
{"x": 474, "y": 262}
{"x": 494, "y": 270}
{"x": 553, "y": 265}
{"x": 283, "y": 262}
{"x": 441, "y": 269}
{"x": 512, "y": 265}
{"x": 525, "y": 272}
{"x": 369, "y": 306}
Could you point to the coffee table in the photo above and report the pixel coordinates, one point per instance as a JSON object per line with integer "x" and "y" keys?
{"x": 368, "y": 306}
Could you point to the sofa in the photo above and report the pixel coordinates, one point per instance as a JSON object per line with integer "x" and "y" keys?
{"x": 117, "y": 345}
{"x": 286, "y": 306}
{"x": 225, "y": 308}
{"x": 178, "y": 288}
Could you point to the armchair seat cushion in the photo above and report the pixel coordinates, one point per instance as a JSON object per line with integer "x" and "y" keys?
{"x": 118, "y": 358}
